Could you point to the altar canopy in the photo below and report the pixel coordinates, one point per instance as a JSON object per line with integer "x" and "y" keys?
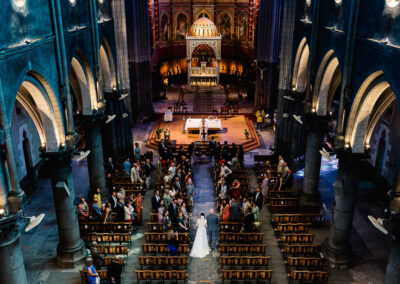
{"x": 196, "y": 124}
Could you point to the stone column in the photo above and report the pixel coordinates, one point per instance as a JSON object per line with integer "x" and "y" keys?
{"x": 188, "y": 71}
{"x": 218, "y": 61}
{"x": 315, "y": 136}
{"x": 339, "y": 251}
{"x": 93, "y": 126}
{"x": 71, "y": 250}
{"x": 12, "y": 268}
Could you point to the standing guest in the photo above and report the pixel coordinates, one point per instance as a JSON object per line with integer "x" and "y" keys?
{"x": 109, "y": 166}
{"x": 147, "y": 171}
{"x": 248, "y": 220}
{"x": 258, "y": 198}
{"x": 235, "y": 163}
{"x": 288, "y": 180}
{"x": 281, "y": 162}
{"x": 223, "y": 190}
{"x": 235, "y": 189}
{"x": 161, "y": 147}
{"x": 121, "y": 193}
{"x": 135, "y": 177}
{"x": 167, "y": 198}
{"x": 97, "y": 196}
{"x": 127, "y": 166}
{"x": 91, "y": 270}
{"x": 191, "y": 149}
{"x": 180, "y": 176}
{"x": 234, "y": 210}
{"x": 161, "y": 210}
{"x": 245, "y": 205}
{"x": 96, "y": 210}
{"x": 171, "y": 171}
{"x": 264, "y": 185}
{"x": 260, "y": 118}
{"x": 159, "y": 167}
{"x": 189, "y": 187}
{"x": 113, "y": 200}
{"x": 107, "y": 213}
{"x": 177, "y": 185}
{"x": 114, "y": 270}
{"x": 83, "y": 211}
{"x": 285, "y": 170}
{"x": 138, "y": 155}
{"x": 184, "y": 212}
{"x": 225, "y": 211}
{"x": 98, "y": 258}
{"x": 167, "y": 221}
{"x": 155, "y": 200}
{"x": 172, "y": 242}
{"x": 139, "y": 208}
{"x": 128, "y": 209}
{"x": 256, "y": 211}
{"x": 120, "y": 217}
{"x": 173, "y": 210}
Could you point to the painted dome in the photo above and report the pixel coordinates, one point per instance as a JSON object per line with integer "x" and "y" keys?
{"x": 203, "y": 27}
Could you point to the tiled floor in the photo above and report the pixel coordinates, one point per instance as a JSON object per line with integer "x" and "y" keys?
{"x": 370, "y": 247}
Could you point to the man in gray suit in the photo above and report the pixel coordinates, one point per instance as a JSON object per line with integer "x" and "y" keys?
{"x": 212, "y": 225}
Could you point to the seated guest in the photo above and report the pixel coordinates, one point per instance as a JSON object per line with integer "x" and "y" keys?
{"x": 235, "y": 189}
{"x": 107, "y": 213}
{"x": 128, "y": 209}
{"x": 155, "y": 201}
{"x": 182, "y": 228}
{"x": 96, "y": 210}
{"x": 98, "y": 258}
{"x": 172, "y": 242}
{"x": 114, "y": 270}
{"x": 83, "y": 211}
{"x": 113, "y": 200}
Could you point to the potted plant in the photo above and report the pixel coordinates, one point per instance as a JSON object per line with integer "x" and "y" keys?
{"x": 158, "y": 132}
{"x": 247, "y": 133}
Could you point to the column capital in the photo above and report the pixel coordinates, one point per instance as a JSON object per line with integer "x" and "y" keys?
{"x": 10, "y": 228}
{"x": 62, "y": 155}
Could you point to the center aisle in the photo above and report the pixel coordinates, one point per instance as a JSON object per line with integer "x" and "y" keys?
{"x": 204, "y": 270}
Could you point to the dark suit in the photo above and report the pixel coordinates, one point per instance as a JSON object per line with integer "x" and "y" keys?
{"x": 288, "y": 182}
{"x": 212, "y": 226}
{"x": 258, "y": 199}
{"x": 173, "y": 212}
{"x": 98, "y": 259}
{"x": 154, "y": 203}
{"x": 113, "y": 202}
{"x": 109, "y": 167}
{"x": 114, "y": 269}
{"x": 120, "y": 213}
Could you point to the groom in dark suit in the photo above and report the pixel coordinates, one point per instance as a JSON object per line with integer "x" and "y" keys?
{"x": 212, "y": 226}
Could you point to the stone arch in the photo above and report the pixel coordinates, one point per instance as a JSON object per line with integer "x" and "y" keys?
{"x": 38, "y": 99}
{"x": 82, "y": 83}
{"x": 107, "y": 67}
{"x": 374, "y": 96}
{"x": 327, "y": 81}
{"x": 299, "y": 79}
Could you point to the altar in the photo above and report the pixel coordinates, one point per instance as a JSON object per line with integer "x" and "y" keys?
{"x": 195, "y": 124}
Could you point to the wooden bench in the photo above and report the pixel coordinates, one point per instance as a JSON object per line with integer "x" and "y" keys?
{"x": 163, "y": 248}
{"x": 303, "y": 250}
{"x": 161, "y": 275}
{"x": 297, "y": 228}
{"x": 296, "y": 238}
{"x": 235, "y": 227}
{"x": 306, "y": 276}
{"x": 246, "y": 275}
{"x": 313, "y": 218}
{"x": 113, "y": 249}
{"x": 107, "y": 237}
{"x": 241, "y": 237}
{"x": 100, "y": 227}
{"x": 163, "y": 261}
{"x": 245, "y": 260}
{"x": 163, "y": 238}
{"x": 313, "y": 263}
{"x": 102, "y": 274}
{"x": 249, "y": 249}
{"x": 283, "y": 201}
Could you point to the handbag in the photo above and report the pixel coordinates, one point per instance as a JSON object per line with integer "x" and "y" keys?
{"x": 97, "y": 279}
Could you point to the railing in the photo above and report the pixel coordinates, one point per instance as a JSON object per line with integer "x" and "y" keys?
{"x": 197, "y": 71}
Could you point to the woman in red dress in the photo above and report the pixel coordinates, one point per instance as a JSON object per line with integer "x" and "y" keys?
{"x": 225, "y": 211}
{"x": 139, "y": 208}
{"x": 235, "y": 189}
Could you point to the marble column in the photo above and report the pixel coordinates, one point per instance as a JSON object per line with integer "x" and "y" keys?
{"x": 71, "y": 250}
{"x": 339, "y": 251}
{"x": 12, "y": 268}
{"x": 93, "y": 126}
{"x": 312, "y": 167}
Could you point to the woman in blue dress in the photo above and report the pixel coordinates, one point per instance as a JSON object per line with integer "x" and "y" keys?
{"x": 138, "y": 155}
{"x": 92, "y": 274}
{"x": 127, "y": 166}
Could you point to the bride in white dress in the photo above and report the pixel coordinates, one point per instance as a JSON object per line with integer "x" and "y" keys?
{"x": 200, "y": 246}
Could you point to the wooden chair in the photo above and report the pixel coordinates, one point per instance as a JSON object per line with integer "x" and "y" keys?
{"x": 163, "y": 248}
{"x": 158, "y": 262}
{"x": 297, "y": 228}
{"x": 246, "y": 249}
{"x": 308, "y": 276}
{"x": 235, "y": 275}
{"x": 107, "y": 237}
{"x": 161, "y": 275}
{"x": 113, "y": 249}
{"x": 163, "y": 238}
{"x": 100, "y": 227}
{"x": 301, "y": 250}
{"x": 241, "y": 237}
{"x": 309, "y": 263}
{"x": 245, "y": 261}
{"x": 296, "y": 238}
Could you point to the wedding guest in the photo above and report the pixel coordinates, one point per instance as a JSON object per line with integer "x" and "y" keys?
{"x": 97, "y": 196}
{"x": 182, "y": 228}
{"x": 83, "y": 211}
{"x": 107, "y": 213}
{"x": 128, "y": 209}
{"x": 127, "y": 166}
{"x": 114, "y": 270}
{"x": 225, "y": 211}
{"x": 161, "y": 210}
{"x": 138, "y": 155}
{"x": 96, "y": 212}
{"x": 91, "y": 270}
{"x": 139, "y": 208}
{"x": 172, "y": 243}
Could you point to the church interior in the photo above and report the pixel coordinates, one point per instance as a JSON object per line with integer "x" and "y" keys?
{"x": 200, "y": 141}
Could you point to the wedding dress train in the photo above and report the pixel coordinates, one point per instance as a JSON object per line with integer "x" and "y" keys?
{"x": 200, "y": 246}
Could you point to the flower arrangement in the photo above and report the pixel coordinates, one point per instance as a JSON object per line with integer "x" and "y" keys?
{"x": 158, "y": 132}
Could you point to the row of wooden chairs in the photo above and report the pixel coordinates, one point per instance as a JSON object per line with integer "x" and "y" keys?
{"x": 243, "y": 249}
{"x": 161, "y": 275}
{"x": 163, "y": 261}
{"x": 163, "y": 248}
{"x": 297, "y": 228}
{"x": 241, "y": 237}
{"x": 245, "y": 260}
{"x": 311, "y": 263}
{"x": 301, "y": 250}
{"x": 283, "y": 201}
{"x": 296, "y": 238}
{"x": 100, "y": 227}
{"x": 313, "y": 218}
{"x": 163, "y": 238}
{"x": 107, "y": 237}
{"x": 304, "y": 275}
{"x": 236, "y": 227}
{"x": 113, "y": 249}
{"x": 246, "y": 275}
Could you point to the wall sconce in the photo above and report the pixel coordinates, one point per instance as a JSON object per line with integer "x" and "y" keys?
{"x": 19, "y": 3}
{"x": 338, "y": 2}
{"x": 347, "y": 146}
{"x": 313, "y": 110}
{"x": 2, "y": 212}
{"x": 308, "y": 3}
{"x": 392, "y": 3}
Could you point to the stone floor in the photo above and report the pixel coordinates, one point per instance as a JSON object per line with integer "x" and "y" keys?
{"x": 370, "y": 246}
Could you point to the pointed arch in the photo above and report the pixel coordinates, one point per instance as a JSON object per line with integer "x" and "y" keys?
{"x": 299, "y": 79}
{"x": 374, "y": 96}
{"x": 107, "y": 67}
{"x": 327, "y": 81}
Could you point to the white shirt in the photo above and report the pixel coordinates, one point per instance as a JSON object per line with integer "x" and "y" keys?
{"x": 128, "y": 212}
{"x": 225, "y": 171}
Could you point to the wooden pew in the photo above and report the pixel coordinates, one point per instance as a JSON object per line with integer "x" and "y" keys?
{"x": 235, "y": 227}
{"x": 154, "y": 227}
{"x": 163, "y": 261}
{"x": 283, "y": 201}
{"x": 309, "y": 263}
{"x": 287, "y": 228}
{"x": 245, "y": 261}
{"x": 301, "y": 250}
{"x": 102, "y": 274}
{"x": 163, "y": 237}
{"x": 296, "y": 238}
{"x": 248, "y": 249}
{"x": 163, "y": 248}
{"x": 313, "y": 218}
{"x": 100, "y": 227}
{"x": 304, "y": 275}
{"x": 107, "y": 237}
{"x": 241, "y": 237}
{"x": 246, "y": 275}
{"x": 161, "y": 275}
{"x": 113, "y": 249}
